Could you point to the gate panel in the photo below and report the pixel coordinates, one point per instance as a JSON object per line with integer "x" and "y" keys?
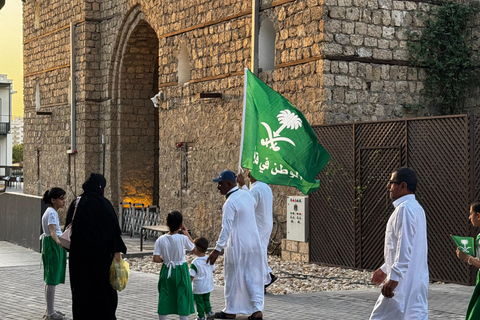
{"x": 386, "y": 141}
{"x": 438, "y": 150}
{"x": 376, "y": 164}
{"x": 332, "y": 229}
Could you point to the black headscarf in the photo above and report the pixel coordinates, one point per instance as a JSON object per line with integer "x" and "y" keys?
{"x": 95, "y": 221}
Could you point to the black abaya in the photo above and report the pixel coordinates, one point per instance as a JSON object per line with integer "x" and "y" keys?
{"x": 96, "y": 236}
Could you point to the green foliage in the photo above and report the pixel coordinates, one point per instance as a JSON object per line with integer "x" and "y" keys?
{"x": 443, "y": 50}
{"x": 17, "y": 153}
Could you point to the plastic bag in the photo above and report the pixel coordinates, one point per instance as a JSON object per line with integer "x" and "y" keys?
{"x": 119, "y": 272}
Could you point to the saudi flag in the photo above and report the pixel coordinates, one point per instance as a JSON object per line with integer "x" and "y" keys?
{"x": 278, "y": 144}
{"x": 466, "y": 244}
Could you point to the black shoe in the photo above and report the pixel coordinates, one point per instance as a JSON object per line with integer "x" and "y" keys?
{"x": 273, "y": 279}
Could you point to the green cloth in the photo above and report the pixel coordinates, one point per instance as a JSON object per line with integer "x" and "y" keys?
{"x": 175, "y": 294}
{"x": 203, "y": 303}
{"x": 278, "y": 144}
{"x": 473, "y": 310}
{"x": 54, "y": 260}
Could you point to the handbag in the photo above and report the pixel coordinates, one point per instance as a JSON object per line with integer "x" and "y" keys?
{"x": 64, "y": 238}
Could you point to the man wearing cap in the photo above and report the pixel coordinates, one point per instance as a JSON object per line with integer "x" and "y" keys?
{"x": 263, "y": 196}
{"x": 243, "y": 262}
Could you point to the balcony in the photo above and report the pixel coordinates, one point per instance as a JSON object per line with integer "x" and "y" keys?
{"x": 4, "y": 128}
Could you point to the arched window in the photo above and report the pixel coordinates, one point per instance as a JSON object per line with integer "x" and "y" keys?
{"x": 37, "y": 97}
{"x": 183, "y": 65}
{"x": 37, "y": 15}
{"x": 266, "y": 45}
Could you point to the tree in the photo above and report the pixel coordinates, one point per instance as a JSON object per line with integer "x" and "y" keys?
{"x": 17, "y": 153}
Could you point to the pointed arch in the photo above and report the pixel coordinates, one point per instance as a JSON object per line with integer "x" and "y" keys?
{"x": 131, "y": 121}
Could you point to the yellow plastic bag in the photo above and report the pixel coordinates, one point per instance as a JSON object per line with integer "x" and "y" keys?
{"x": 119, "y": 272}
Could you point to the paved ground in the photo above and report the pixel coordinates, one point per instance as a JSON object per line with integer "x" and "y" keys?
{"x": 21, "y": 296}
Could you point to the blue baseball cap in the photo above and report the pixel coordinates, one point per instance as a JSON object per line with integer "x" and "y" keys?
{"x": 226, "y": 175}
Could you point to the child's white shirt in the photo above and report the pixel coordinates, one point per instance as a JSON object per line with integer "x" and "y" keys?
{"x": 203, "y": 275}
{"x": 172, "y": 248}
{"x": 50, "y": 216}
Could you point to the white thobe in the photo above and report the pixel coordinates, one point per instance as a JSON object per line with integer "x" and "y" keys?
{"x": 405, "y": 257}
{"x": 263, "y": 196}
{"x": 244, "y": 267}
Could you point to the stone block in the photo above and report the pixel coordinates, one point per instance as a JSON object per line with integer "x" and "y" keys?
{"x": 303, "y": 247}
{"x": 292, "y": 245}
{"x": 305, "y": 258}
{"x": 295, "y": 256}
{"x": 382, "y": 54}
{"x": 365, "y": 52}
{"x": 352, "y": 13}
{"x": 286, "y": 256}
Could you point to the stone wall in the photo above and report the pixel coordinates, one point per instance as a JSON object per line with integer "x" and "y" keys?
{"x": 336, "y": 61}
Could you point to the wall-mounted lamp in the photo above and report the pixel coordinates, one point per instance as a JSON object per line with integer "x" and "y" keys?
{"x": 157, "y": 98}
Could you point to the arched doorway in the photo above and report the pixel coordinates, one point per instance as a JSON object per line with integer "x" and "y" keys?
{"x": 138, "y": 118}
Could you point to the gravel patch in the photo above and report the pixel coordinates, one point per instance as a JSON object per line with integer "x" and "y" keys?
{"x": 293, "y": 277}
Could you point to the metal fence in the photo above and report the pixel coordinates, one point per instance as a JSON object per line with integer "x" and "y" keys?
{"x": 133, "y": 216}
{"x": 349, "y": 212}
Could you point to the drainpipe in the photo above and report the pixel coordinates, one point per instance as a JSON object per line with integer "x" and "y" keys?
{"x": 255, "y": 29}
{"x": 73, "y": 149}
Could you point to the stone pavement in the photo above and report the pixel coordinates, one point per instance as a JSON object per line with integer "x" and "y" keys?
{"x": 21, "y": 296}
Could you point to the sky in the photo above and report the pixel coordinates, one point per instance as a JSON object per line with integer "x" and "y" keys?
{"x": 11, "y": 50}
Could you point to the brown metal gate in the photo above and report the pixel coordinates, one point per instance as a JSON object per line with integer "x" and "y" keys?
{"x": 349, "y": 212}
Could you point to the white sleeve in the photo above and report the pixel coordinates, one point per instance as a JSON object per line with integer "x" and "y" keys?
{"x": 52, "y": 219}
{"x": 227, "y": 220}
{"x": 189, "y": 245}
{"x": 405, "y": 231}
{"x": 156, "y": 250}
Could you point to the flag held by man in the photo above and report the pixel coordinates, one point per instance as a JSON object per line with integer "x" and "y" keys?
{"x": 278, "y": 144}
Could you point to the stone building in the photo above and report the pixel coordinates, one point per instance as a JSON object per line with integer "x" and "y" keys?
{"x": 335, "y": 60}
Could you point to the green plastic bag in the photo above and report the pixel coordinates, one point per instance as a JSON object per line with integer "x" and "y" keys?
{"x": 119, "y": 272}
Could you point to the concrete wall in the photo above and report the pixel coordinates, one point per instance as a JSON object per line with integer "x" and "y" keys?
{"x": 20, "y": 219}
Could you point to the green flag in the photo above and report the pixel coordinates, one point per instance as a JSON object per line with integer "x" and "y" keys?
{"x": 466, "y": 244}
{"x": 278, "y": 144}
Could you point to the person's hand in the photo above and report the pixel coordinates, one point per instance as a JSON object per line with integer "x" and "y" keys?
{"x": 378, "y": 277}
{"x": 240, "y": 179}
{"x": 213, "y": 256}
{"x": 118, "y": 256}
{"x": 183, "y": 229}
{"x": 388, "y": 288}
{"x": 462, "y": 255}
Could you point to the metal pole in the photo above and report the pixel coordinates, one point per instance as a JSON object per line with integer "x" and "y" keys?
{"x": 73, "y": 89}
{"x": 255, "y": 29}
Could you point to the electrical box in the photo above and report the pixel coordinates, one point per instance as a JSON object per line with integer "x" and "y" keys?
{"x": 297, "y": 218}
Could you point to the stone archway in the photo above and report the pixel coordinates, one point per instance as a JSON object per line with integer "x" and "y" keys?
{"x": 137, "y": 119}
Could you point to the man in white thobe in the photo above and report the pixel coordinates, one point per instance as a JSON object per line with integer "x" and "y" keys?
{"x": 243, "y": 263}
{"x": 405, "y": 270}
{"x": 263, "y": 196}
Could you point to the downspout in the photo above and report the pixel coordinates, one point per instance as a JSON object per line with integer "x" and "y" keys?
{"x": 73, "y": 115}
{"x": 255, "y": 29}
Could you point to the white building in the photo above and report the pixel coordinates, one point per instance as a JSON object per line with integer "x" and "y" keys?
{"x": 16, "y": 129}
{"x": 6, "y": 86}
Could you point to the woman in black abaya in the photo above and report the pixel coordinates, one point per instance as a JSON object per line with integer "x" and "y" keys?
{"x": 95, "y": 242}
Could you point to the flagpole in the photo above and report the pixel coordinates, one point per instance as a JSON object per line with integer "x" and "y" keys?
{"x": 243, "y": 119}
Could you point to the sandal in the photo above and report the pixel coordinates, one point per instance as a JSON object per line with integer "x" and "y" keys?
{"x": 222, "y": 315}
{"x": 252, "y": 317}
